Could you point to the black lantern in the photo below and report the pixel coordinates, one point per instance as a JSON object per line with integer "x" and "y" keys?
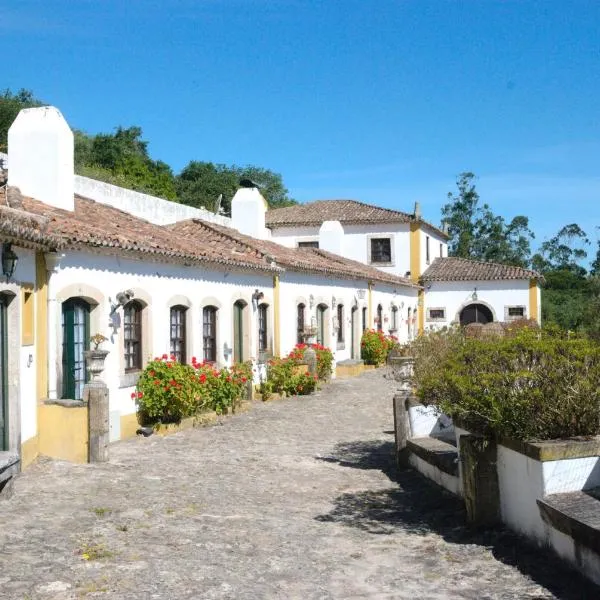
{"x": 9, "y": 260}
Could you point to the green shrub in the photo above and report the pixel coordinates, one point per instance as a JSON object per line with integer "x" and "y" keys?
{"x": 324, "y": 358}
{"x": 532, "y": 385}
{"x": 375, "y": 346}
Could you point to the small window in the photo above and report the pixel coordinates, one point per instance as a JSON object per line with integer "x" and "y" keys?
{"x": 364, "y": 318}
{"x": 263, "y": 337}
{"x": 427, "y": 256}
{"x": 436, "y": 314}
{"x": 379, "y": 317}
{"x": 314, "y": 244}
{"x": 441, "y": 250}
{"x": 178, "y": 317}
{"x": 132, "y": 336}
{"x": 209, "y": 333}
{"x": 394, "y": 324}
{"x": 381, "y": 250}
{"x": 300, "y": 323}
{"x": 512, "y": 313}
{"x": 340, "y": 320}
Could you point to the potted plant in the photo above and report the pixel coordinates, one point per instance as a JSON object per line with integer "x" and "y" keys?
{"x": 95, "y": 358}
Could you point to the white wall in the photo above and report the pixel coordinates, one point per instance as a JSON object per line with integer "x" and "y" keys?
{"x": 403, "y": 298}
{"x": 455, "y": 295}
{"x": 158, "y": 284}
{"x": 153, "y": 209}
{"x": 434, "y": 247}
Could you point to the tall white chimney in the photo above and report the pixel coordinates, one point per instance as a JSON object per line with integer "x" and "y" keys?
{"x": 40, "y": 156}
{"x": 331, "y": 237}
{"x": 248, "y": 210}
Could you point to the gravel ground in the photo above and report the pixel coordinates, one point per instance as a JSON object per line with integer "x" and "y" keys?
{"x": 297, "y": 498}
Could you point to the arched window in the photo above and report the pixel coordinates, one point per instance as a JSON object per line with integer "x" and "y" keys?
{"x": 340, "y": 320}
{"x": 394, "y": 324}
{"x": 209, "y": 333}
{"x": 379, "y": 317}
{"x": 132, "y": 336}
{"x": 300, "y": 322}
{"x": 263, "y": 333}
{"x": 364, "y": 318}
{"x": 238, "y": 331}
{"x": 409, "y": 324}
{"x": 178, "y": 332}
{"x": 76, "y": 340}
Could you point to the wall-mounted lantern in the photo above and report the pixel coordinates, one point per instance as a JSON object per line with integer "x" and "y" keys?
{"x": 9, "y": 260}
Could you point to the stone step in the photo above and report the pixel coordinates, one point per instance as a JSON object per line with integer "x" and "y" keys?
{"x": 576, "y": 514}
{"x": 436, "y": 452}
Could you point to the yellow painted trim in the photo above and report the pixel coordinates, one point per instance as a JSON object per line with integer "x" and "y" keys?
{"x": 415, "y": 251}
{"x": 129, "y": 425}
{"x": 27, "y": 314}
{"x": 533, "y": 299}
{"x": 421, "y": 311}
{"x": 29, "y": 451}
{"x": 276, "y": 317}
{"x": 64, "y": 432}
{"x": 370, "y": 324}
{"x": 41, "y": 327}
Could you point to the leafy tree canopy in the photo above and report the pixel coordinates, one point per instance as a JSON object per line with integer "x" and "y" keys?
{"x": 476, "y": 232}
{"x": 122, "y": 158}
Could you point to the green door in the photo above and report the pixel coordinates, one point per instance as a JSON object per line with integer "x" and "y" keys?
{"x": 3, "y": 377}
{"x": 76, "y": 336}
{"x": 238, "y": 331}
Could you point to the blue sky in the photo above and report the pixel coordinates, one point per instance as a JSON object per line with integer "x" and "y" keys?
{"x": 383, "y": 101}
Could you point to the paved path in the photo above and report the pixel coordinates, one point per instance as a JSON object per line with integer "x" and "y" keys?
{"x": 295, "y": 499}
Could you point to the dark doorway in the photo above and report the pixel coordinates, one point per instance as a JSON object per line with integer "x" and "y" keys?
{"x": 476, "y": 313}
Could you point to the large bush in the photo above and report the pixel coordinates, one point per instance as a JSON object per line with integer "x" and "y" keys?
{"x": 324, "y": 358}
{"x": 530, "y": 385}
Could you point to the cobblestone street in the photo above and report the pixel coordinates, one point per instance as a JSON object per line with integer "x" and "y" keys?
{"x": 295, "y": 499}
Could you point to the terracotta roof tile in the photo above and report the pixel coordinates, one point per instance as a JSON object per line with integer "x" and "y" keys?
{"x": 463, "y": 269}
{"x": 96, "y": 225}
{"x": 310, "y": 260}
{"x": 351, "y": 212}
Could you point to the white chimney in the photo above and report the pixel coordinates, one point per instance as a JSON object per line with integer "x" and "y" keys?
{"x": 248, "y": 210}
{"x": 331, "y": 237}
{"x": 40, "y": 152}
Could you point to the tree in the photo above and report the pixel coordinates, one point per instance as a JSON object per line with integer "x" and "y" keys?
{"x": 476, "y": 232}
{"x": 201, "y": 184}
{"x": 10, "y": 105}
{"x": 564, "y": 251}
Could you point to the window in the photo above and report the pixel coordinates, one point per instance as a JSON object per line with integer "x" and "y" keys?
{"x": 441, "y": 250}
{"x": 436, "y": 314}
{"x": 238, "y": 331}
{"x": 340, "y": 320}
{"x": 394, "y": 324}
{"x": 364, "y": 318}
{"x": 76, "y": 336}
{"x": 300, "y": 323}
{"x": 381, "y": 250}
{"x": 314, "y": 244}
{"x": 511, "y": 313}
{"x": 263, "y": 338}
{"x": 379, "y": 317}
{"x": 132, "y": 336}
{"x": 178, "y": 317}
{"x": 209, "y": 333}
{"x": 321, "y": 321}
{"x": 427, "y": 256}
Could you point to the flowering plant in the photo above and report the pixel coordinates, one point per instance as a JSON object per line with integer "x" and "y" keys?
{"x": 97, "y": 339}
{"x": 375, "y": 346}
{"x": 324, "y": 358}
